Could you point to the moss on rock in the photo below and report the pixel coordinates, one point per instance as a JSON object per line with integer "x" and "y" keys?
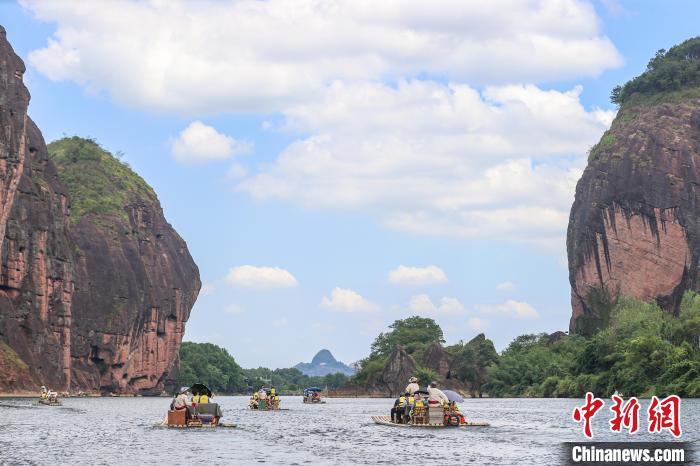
{"x": 98, "y": 183}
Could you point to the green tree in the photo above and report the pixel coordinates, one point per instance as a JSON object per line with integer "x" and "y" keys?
{"x": 411, "y": 333}
{"x": 667, "y": 72}
{"x": 211, "y": 365}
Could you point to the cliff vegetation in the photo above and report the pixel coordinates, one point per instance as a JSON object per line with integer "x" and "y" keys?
{"x": 99, "y": 183}
{"x": 642, "y": 351}
{"x": 671, "y": 76}
{"x": 461, "y": 366}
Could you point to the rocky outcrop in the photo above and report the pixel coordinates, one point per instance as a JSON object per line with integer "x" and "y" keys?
{"x": 323, "y": 364}
{"x": 95, "y": 286}
{"x": 634, "y": 227}
{"x": 393, "y": 378}
{"x": 437, "y": 359}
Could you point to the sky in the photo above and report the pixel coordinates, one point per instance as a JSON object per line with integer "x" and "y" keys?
{"x": 337, "y": 165}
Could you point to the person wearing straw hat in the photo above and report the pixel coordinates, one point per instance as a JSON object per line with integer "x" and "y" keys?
{"x": 412, "y": 386}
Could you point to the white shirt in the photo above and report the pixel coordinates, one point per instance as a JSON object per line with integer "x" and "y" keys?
{"x": 262, "y": 394}
{"x": 181, "y": 401}
{"x": 435, "y": 394}
{"x": 412, "y": 388}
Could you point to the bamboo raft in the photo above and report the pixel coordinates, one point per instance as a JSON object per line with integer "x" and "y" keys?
{"x": 198, "y": 426}
{"x": 267, "y": 409}
{"x": 50, "y": 403}
{"x": 386, "y": 421}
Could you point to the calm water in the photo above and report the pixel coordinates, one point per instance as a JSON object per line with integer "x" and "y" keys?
{"x": 122, "y": 431}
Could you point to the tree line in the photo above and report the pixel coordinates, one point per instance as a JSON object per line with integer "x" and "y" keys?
{"x": 213, "y": 366}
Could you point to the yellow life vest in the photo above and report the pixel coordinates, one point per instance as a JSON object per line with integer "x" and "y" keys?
{"x": 402, "y": 400}
{"x": 277, "y": 398}
{"x": 195, "y": 399}
{"x": 203, "y": 399}
{"x": 272, "y": 391}
{"x": 411, "y": 400}
{"x": 419, "y": 404}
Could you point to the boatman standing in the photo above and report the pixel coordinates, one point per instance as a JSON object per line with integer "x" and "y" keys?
{"x": 412, "y": 386}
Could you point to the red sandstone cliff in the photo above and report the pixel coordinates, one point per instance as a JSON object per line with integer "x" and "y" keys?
{"x": 634, "y": 227}
{"x": 95, "y": 288}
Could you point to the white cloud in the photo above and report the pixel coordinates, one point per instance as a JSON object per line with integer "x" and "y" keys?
{"x": 428, "y": 158}
{"x": 422, "y": 304}
{"x": 518, "y": 309}
{"x": 346, "y": 300}
{"x": 201, "y": 143}
{"x": 433, "y": 157}
{"x": 247, "y": 55}
{"x": 478, "y": 324}
{"x": 417, "y": 275}
{"x": 207, "y": 289}
{"x": 250, "y": 276}
{"x": 505, "y": 286}
{"x": 233, "y": 309}
{"x": 237, "y": 171}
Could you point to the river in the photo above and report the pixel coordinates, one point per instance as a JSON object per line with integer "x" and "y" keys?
{"x": 123, "y": 431}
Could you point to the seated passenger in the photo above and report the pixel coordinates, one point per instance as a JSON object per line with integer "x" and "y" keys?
{"x": 181, "y": 401}
{"x": 408, "y": 407}
{"x": 395, "y": 411}
{"x": 435, "y": 396}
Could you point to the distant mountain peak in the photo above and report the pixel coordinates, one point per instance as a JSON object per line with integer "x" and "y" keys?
{"x": 323, "y": 364}
{"x": 323, "y": 357}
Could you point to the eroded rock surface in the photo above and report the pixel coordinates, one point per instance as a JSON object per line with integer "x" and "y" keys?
{"x": 94, "y": 291}
{"x": 634, "y": 225}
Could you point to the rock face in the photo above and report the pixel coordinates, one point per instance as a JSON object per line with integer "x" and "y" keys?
{"x": 437, "y": 359}
{"x": 323, "y": 364}
{"x": 95, "y": 286}
{"x": 394, "y": 378}
{"x": 634, "y": 228}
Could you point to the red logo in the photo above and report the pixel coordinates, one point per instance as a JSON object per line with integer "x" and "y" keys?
{"x": 626, "y": 415}
{"x": 665, "y": 415}
{"x": 662, "y": 414}
{"x": 587, "y": 412}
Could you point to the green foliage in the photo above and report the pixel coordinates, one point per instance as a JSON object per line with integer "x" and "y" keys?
{"x": 642, "y": 351}
{"x": 214, "y": 367}
{"x": 426, "y": 375}
{"x": 606, "y": 141}
{"x": 290, "y": 381}
{"x": 470, "y": 361}
{"x": 98, "y": 183}
{"x": 415, "y": 334}
{"x": 667, "y": 73}
{"x": 412, "y": 333}
{"x": 211, "y": 365}
{"x": 10, "y": 358}
{"x": 369, "y": 368}
{"x": 601, "y": 305}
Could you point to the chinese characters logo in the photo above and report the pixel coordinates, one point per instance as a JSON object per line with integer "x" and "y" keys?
{"x": 662, "y": 414}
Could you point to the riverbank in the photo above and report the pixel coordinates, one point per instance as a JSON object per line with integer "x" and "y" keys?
{"x": 19, "y": 395}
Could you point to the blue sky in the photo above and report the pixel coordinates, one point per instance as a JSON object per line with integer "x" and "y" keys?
{"x": 306, "y": 152}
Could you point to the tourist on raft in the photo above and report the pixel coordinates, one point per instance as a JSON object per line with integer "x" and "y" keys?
{"x": 398, "y": 409}
{"x": 181, "y": 401}
{"x": 412, "y": 386}
{"x": 435, "y": 396}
